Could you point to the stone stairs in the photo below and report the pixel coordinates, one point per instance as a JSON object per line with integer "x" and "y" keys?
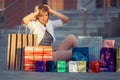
{"x": 95, "y": 21}
{"x": 112, "y": 28}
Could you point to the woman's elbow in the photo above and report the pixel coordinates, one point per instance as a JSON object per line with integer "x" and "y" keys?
{"x": 24, "y": 21}
{"x": 65, "y": 20}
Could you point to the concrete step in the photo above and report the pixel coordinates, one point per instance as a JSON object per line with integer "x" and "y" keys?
{"x": 3, "y": 42}
{"x": 72, "y": 29}
{"x": 95, "y": 19}
{"x": 3, "y": 57}
{"x": 117, "y": 41}
{"x": 88, "y": 24}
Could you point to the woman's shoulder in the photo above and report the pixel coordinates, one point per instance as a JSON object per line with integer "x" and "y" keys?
{"x": 50, "y": 20}
{"x": 54, "y": 21}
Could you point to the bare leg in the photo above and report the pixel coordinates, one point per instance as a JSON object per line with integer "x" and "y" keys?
{"x": 62, "y": 55}
{"x": 63, "y": 51}
{"x": 69, "y": 42}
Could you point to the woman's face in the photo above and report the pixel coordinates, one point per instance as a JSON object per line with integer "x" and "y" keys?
{"x": 43, "y": 17}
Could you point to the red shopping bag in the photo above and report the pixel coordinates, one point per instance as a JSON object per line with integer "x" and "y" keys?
{"x": 36, "y": 53}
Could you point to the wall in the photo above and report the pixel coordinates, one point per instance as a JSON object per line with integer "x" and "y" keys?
{"x": 14, "y": 13}
{"x": 17, "y": 10}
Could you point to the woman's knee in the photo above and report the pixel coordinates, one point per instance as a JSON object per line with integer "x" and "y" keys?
{"x": 72, "y": 37}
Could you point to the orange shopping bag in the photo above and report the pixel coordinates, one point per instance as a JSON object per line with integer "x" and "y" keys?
{"x": 36, "y": 53}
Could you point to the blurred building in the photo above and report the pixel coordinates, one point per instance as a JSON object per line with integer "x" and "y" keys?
{"x": 12, "y": 11}
{"x": 86, "y": 17}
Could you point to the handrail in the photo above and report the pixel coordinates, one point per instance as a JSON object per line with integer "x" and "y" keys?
{"x": 88, "y": 3}
{"x": 9, "y": 5}
{"x": 84, "y": 14}
{"x": 84, "y": 19}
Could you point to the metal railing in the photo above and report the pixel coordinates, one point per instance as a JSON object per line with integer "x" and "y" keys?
{"x": 9, "y": 5}
{"x": 88, "y": 3}
{"x": 84, "y": 18}
{"x": 84, "y": 14}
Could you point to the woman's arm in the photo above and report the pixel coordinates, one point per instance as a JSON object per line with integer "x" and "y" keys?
{"x": 58, "y": 14}
{"x": 31, "y": 16}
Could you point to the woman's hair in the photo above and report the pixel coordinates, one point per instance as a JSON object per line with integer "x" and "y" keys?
{"x": 42, "y": 8}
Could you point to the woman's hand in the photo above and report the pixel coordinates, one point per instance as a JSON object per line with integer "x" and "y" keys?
{"x": 58, "y": 14}
{"x": 51, "y": 11}
{"x": 36, "y": 11}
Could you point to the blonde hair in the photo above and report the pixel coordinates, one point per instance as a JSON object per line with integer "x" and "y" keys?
{"x": 42, "y": 8}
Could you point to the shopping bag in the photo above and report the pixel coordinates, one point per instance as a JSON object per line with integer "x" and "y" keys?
{"x": 61, "y": 66}
{"x": 16, "y": 42}
{"x": 90, "y": 41}
{"x": 33, "y": 54}
{"x": 94, "y": 67}
{"x": 94, "y": 43}
{"x": 77, "y": 66}
{"x": 72, "y": 67}
{"x": 117, "y": 59}
{"x": 107, "y": 59}
{"x": 81, "y": 54}
{"x": 82, "y": 66}
{"x": 108, "y": 43}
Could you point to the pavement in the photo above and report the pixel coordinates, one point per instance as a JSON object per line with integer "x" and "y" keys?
{"x": 22, "y": 75}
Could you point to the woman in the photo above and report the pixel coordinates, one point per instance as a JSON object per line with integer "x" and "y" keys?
{"x": 39, "y": 23}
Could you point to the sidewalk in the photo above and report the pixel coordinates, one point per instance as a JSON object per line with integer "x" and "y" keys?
{"x": 21, "y": 75}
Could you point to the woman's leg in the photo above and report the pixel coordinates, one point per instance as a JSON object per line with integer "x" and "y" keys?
{"x": 62, "y": 55}
{"x": 69, "y": 42}
{"x": 63, "y": 51}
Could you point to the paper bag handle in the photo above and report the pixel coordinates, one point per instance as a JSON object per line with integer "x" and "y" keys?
{"x": 19, "y": 30}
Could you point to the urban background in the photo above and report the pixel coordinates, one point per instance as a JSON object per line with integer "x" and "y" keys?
{"x": 87, "y": 17}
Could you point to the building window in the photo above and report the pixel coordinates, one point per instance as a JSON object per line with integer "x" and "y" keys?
{"x": 44, "y": 1}
{"x": 56, "y": 4}
{"x": 1, "y": 4}
{"x": 62, "y": 4}
{"x": 108, "y": 3}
